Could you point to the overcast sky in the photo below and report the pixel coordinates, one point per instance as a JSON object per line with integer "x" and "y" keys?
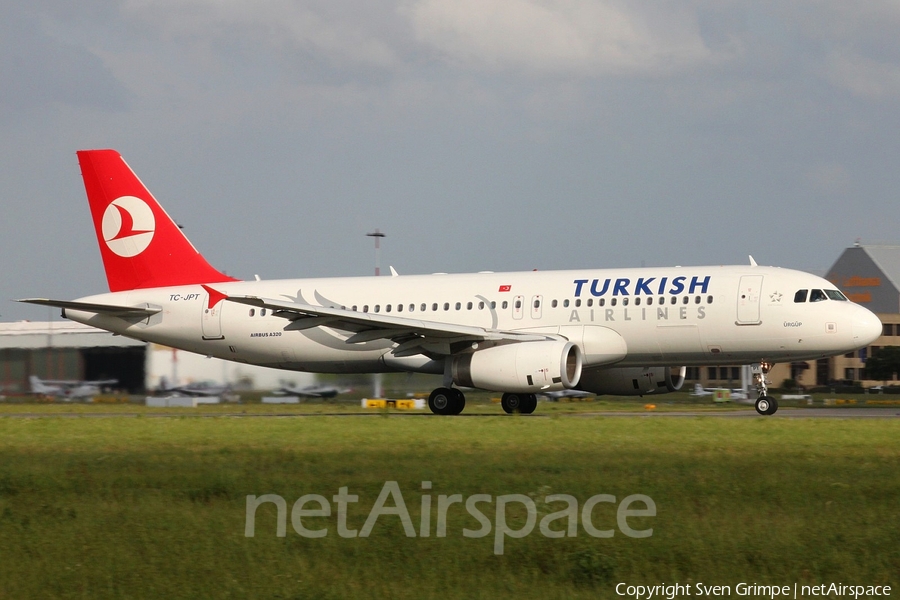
{"x": 478, "y": 134}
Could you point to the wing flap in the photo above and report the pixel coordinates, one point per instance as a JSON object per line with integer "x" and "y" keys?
{"x": 431, "y": 336}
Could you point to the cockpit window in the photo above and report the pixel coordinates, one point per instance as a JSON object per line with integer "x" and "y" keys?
{"x": 836, "y": 295}
{"x": 817, "y": 296}
{"x": 800, "y": 296}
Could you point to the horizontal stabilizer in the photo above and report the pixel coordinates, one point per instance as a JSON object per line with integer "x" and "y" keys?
{"x": 102, "y": 309}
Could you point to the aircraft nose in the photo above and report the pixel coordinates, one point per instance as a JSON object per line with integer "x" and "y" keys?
{"x": 866, "y": 327}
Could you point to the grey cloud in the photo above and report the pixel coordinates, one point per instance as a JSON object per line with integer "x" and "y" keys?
{"x": 37, "y": 69}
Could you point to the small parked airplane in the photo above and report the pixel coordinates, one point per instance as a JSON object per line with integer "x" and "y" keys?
{"x": 699, "y": 390}
{"x": 199, "y": 388}
{"x": 611, "y": 331}
{"x": 68, "y": 389}
{"x": 312, "y": 391}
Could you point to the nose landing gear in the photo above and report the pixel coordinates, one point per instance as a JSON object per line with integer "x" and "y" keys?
{"x": 765, "y": 404}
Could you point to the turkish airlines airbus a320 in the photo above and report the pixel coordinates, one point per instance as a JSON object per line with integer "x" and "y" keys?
{"x": 611, "y": 331}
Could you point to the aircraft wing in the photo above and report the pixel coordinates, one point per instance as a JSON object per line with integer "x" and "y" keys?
{"x": 78, "y": 382}
{"x": 104, "y": 309}
{"x": 414, "y": 336}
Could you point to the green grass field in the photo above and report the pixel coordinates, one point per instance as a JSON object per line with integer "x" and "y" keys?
{"x": 115, "y": 507}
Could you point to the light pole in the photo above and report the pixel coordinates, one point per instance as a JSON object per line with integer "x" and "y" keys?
{"x": 377, "y": 234}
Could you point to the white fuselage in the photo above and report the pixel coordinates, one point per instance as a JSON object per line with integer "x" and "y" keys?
{"x": 667, "y": 316}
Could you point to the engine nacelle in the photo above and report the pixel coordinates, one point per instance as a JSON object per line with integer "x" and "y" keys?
{"x": 523, "y": 367}
{"x": 632, "y": 381}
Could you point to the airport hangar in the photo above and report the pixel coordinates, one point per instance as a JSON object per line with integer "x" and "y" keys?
{"x": 867, "y": 274}
{"x": 66, "y": 350}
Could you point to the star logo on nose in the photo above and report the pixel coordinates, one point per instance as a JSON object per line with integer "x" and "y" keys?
{"x": 775, "y": 297}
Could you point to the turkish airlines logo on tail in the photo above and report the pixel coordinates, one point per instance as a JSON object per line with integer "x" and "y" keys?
{"x": 128, "y": 226}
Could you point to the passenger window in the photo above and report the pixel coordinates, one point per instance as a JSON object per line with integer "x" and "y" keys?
{"x": 481, "y": 306}
{"x": 493, "y": 304}
{"x": 601, "y": 302}
{"x": 696, "y": 299}
{"x": 650, "y": 301}
{"x": 674, "y": 300}
{"x": 590, "y": 302}
{"x": 354, "y": 308}
{"x": 685, "y": 300}
{"x": 566, "y": 303}
{"x": 624, "y": 301}
{"x": 377, "y": 308}
{"x": 252, "y": 312}
{"x": 554, "y": 304}
{"x": 365, "y": 308}
{"x": 800, "y": 296}
{"x": 537, "y": 303}
{"x": 262, "y": 312}
{"x": 709, "y": 299}
{"x": 387, "y": 308}
{"x": 446, "y": 306}
{"x": 637, "y": 301}
{"x": 612, "y": 302}
{"x": 469, "y": 306}
{"x": 505, "y": 304}
{"x": 817, "y": 296}
{"x": 518, "y": 304}
{"x": 578, "y": 303}
{"x": 458, "y": 306}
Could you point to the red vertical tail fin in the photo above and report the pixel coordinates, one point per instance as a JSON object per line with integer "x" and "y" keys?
{"x": 141, "y": 245}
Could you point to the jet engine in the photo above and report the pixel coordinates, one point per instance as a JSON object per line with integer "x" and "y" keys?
{"x": 632, "y": 381}
{"x": 523, "y": 367}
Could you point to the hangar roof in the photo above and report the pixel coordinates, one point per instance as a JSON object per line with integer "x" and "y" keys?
{"x": 869, "y": 275}
{"x": 58, "y": 334}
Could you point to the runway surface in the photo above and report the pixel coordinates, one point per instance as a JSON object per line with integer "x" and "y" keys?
{"x": 787, "y": 413}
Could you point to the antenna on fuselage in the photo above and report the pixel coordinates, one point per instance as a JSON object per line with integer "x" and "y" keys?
{"x": 752, "y": 262}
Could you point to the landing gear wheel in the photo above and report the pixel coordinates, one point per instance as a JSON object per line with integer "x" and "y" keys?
{"x": 459, "y": 402}
{"x": 529, "y": 403}
{"x": 511, "y": 403}
{"x": 766, "y": 405}
{"x": 446, "y": 401}
{"x": 441, "y": 401}
{"x": 518, "y": 403}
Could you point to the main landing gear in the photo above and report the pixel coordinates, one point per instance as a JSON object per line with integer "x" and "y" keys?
{"x": 765, "y": 404}
{"x": 520, "y": 403}
{"x": 451, "y": 401}
{"x": 446, "y": 401}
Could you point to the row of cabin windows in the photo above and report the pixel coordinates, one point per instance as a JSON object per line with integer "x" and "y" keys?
{"x": 577, "y": 303}
{"x": 424, "y": 307}
{"x": 818, "y": 295}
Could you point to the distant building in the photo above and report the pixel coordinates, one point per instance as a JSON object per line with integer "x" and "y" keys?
{"x": 870, "y": 276}
{"x": 67, "y": 350}
{"x": 73, "y": 351}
